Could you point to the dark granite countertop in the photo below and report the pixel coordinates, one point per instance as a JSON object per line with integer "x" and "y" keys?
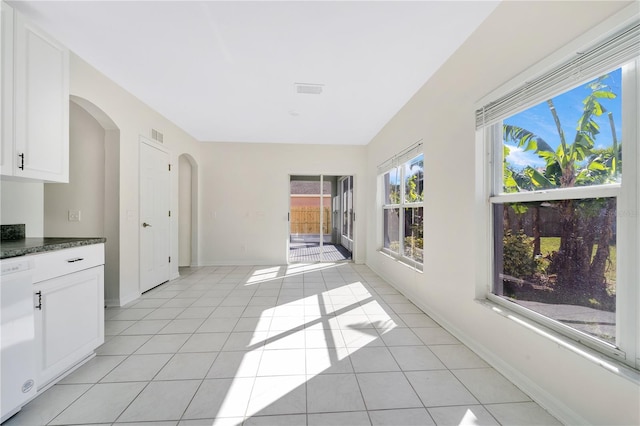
{"x": 14, "y": 248}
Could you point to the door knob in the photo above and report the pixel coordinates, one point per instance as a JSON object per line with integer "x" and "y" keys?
{"x": 145, "y": 224}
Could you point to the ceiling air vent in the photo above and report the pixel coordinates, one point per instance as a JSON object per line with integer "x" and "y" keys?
{"x": 157, "y": 136}
{"x": 309, "y": 89}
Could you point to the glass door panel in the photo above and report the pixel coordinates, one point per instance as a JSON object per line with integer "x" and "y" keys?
{"x": 315, "y": 223}
{"x": 346, "y": 196}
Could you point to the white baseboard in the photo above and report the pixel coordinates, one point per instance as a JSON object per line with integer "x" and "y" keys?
{"x": 242, "y": 263}
{"x": 124, "y": 300}
{"x": 523, "y": 382}
{"x": 259, "y": 263}
{"x": 112, "y": 303}
{"x": 543, "y": 398}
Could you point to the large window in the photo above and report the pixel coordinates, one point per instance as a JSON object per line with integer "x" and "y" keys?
{"x": 563, "y": 207}
{"x": 402, "y": 210}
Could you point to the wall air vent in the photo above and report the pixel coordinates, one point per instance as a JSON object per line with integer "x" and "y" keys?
{"x": 157, "y": 136}
{"x": 309, "y": 89}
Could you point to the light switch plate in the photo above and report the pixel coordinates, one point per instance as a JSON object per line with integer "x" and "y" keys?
{"x": 74, "y": 215}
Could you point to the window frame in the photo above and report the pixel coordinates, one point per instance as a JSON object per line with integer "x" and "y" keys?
{"x": 401, "y": 206}
{"x": 489, "y": 138}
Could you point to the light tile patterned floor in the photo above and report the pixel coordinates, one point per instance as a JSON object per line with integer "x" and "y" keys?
{"x": 283, "y": 345}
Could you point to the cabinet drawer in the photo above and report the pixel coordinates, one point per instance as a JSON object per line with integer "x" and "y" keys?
{"x": 67, "y": 261}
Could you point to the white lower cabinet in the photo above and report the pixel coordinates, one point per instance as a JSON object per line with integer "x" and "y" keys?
{"x": 69, "y": 321}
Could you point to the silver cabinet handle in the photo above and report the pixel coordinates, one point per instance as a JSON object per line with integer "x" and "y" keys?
{"x": 145, "y": 225}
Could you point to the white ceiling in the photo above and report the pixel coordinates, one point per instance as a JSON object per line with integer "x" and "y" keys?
{"x": 225, "y": 71}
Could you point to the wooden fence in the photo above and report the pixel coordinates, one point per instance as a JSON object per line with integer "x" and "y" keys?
{"x": 306, "y": 220}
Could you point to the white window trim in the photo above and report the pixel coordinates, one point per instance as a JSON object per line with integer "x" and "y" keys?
{"x": 628, "y": 296}
{"x": 397, "y": 163}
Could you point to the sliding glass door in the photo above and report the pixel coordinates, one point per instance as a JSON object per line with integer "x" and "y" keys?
{"x": 315, "y": 219}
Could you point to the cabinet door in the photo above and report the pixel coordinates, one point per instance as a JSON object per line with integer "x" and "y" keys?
{"x": 69, "y": 321}
{"x": 41, "y": 104}
{"x": 6, "y": 89}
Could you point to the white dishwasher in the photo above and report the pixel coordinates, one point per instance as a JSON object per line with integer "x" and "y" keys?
{"x": 17, "y": 359}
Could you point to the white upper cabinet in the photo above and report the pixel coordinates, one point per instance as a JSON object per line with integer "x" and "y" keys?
{"x": 6, "y": 90}
{"x": 35, "y": 112}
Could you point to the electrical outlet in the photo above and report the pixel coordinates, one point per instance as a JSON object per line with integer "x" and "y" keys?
{"x": 74, "y": 215}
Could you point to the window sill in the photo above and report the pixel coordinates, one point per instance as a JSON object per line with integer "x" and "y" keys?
{"x": 612, "y": 365}
{"x": 408, "y": 263}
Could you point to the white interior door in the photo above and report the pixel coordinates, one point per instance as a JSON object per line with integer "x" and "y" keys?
{"x": 154, "y": 216}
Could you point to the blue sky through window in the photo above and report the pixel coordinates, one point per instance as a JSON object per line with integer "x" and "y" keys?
{"x": 539, "y": 120}
{"x": 411, "y": 167}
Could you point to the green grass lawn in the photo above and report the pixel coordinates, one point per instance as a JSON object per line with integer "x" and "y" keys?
{"x": 551, "y": 244}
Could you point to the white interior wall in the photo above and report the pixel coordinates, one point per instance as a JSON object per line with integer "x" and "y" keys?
{"x": 85, "y": 190}
{"x": 515, "y": 36}
{"x": 133, "y": 118}
{"x": 22, "y": 203}
{"x": 245, "y": 197}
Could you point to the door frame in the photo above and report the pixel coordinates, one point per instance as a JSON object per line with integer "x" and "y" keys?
{"x": 143, "y": 140}
{"x": 345, "y": 240}
{"x": 338, "y": 223}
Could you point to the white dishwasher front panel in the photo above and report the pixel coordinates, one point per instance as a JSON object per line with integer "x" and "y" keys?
{"x": 17, "y": 359}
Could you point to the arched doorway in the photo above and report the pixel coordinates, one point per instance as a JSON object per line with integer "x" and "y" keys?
{"x": 93, "y": 189}
{"x": 188, "y": 211}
